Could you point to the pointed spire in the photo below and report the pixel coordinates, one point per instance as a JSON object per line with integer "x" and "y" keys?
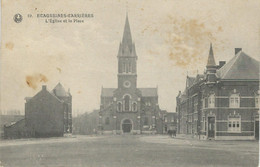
{"x": 211, "y": 59}
{"x": 127, "y": 38}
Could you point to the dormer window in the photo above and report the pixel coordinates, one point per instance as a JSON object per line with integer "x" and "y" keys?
{"x": 211, "y": 101}
{"x": 234, "y": 101}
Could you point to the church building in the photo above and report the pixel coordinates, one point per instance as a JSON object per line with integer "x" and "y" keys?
{"x": 128, "y": 109}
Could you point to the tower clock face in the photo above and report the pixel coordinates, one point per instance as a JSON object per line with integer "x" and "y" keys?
{"x": 127, "y": 84}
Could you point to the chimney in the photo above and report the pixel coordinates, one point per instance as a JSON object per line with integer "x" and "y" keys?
{"x": 237, "y": 50}
{"x": 44, "y": 87}
{"x": 221, "y": 64}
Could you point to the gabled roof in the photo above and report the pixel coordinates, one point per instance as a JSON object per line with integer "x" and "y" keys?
{"x": 59, "y": 91}
{"x": 107, "y": 92}
{"x": 240, "y": 67}
{"x": 148, "y": 92}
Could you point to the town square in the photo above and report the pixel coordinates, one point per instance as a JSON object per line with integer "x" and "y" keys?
{"x": 129, "y": 84}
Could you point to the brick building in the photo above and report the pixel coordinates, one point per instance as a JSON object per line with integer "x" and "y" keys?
{"x": 128, "y": 109}
{"x": 48, "y": 113}
{"x": 170, "y": 121}
{"x": 223, "y": 103}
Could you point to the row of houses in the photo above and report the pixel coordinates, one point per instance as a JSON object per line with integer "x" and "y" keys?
{"x": 222, "y": 103}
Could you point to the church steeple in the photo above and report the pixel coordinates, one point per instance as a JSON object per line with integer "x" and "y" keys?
{"x": 127, "y": 59}
{"x": 127, "y": 38}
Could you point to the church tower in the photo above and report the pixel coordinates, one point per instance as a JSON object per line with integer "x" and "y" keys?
{"x": 127, "y": 74}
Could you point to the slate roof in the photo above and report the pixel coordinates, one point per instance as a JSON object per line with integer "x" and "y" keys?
{"x": 127, "y": 38}
{"x": 59, "y": 91}
{"x": 211, "y": 60}
{"x": 148, "y": 92}
{"x": 240, "y": 67}
{"x": 190, "y": 81}
{"x": 107, "y": 92}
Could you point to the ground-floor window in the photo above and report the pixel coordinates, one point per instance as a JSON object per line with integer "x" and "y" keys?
{"x": 234, "y": 124}
{"x": 145, "y": 120}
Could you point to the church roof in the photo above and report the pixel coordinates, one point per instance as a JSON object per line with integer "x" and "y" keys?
{"x": 240, "y": 67}
{"x": 211, "y": 60}
{"x": 107, "y": 92}
{"x": 60, "y": 91}
{"x": 148, "y": 92}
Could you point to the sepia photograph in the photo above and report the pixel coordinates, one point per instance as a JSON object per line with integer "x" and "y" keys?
{"x": 120, "y": 83}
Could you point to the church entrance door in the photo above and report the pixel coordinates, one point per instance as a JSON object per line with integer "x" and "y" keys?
{"x": 127, "y": 126}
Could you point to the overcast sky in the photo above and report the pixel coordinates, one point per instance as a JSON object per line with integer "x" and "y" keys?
{"x": 171, "y": 38}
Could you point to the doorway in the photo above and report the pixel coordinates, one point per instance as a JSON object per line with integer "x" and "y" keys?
{"x": 211, "y": 127}
{"x": 127, "y": 126}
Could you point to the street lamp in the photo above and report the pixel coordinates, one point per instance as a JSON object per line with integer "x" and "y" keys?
{"x": 115, "y": 124}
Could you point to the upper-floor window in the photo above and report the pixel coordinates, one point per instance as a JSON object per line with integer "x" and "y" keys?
{"x": 148, "y": 103}
{"x": 65, "y": 115}
{"x": 134, "y": 106}
{"x": 257, "y": 98}
{"x": 211, "y": 101}
{"x": 119, "y": 106}
{"x": 234, "y": 101}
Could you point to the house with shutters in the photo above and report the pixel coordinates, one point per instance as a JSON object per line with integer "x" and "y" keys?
{"x": 223, "y": 103}
{"x": 127, "y": 108}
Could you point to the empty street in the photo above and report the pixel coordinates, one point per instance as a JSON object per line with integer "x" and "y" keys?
{"x": 127, "y": 151}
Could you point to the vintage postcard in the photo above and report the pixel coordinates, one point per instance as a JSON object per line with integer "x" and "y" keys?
{"x": 125, "y": 83}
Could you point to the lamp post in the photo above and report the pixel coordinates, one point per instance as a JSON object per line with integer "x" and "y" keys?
{"x": 100, "y": 123}
{"x": 115, "y": 124}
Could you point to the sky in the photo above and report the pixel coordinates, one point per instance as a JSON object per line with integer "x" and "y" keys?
{"x": 172, "y": 39}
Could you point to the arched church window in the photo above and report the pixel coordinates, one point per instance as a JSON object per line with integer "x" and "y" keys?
{"x": 119, "y": 106}
{"x": 123, "y": 67}
{"x": 130, "y": 67}
{"x": 127, "y": 102}
{"x": 134, "y": 106}
{"x": 127, "y": 68}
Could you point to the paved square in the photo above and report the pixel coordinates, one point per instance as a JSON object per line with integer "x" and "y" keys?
{"x": 127, "y": 151}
